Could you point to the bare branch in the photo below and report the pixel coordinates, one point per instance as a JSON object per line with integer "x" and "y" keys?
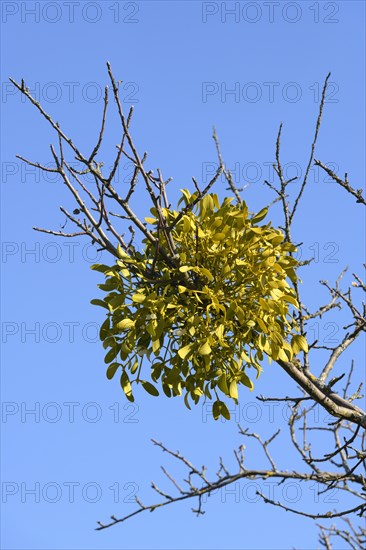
{"x": 360, "y": 508}
{"x": 318, "y": 122}
{"x": 343, "y": 183}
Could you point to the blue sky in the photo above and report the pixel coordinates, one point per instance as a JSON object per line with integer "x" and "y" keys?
{"x": 186, "y": 66}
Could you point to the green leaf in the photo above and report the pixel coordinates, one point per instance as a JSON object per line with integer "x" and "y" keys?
{"x": 109, "y": 285}
{"x": 183, "y": 352}
{"x": 220, "y": 409}
{"x": 126, "y": 386}
{"x": 217, "y": 237}
{"x": 262, "y": 325}
{"x": 205, "y": 349}
{"x": 290, "y": 299}
{"x": 261, "y": 214}
{"x": 112, "y": 354}
{"x": 149, "y": 388}
{"x": 125, "y": 324}
{"x": 244, "y": 379}
{"x": 186, "y": 401}
{"x": 220, "y": 332}
{"x": 100, "y": 303}
{"x": 299, "y": 343}
{"x": 277, "y": 240}
{"x": 104, "y": 329}
{"x": 224, "y": 411}
{"x": 282, "y": 355}
{"x": 167, "y": 390}
{"x": 216, "y": 410}
{"x": 233, "y": 390}
{"x": 240, "y": 314}
{"x": 100, "y": 267}
{"x": 112, "y": 369}
{"x": 207, "y": 392}
{"x": 186, "y": 195}
{"x": 123, "y": 255}
{"x": 134, "y": 367}
{"x": 116, "y": 300}
{"x": 186, "y": 224}
{"x": 138, "y": 298}
{"x": 206, "y": 273}
{"x": 222, "y": 384}
{"x": 156, "y": 345}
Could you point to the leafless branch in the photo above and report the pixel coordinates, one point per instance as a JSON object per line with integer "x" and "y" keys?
{"x": 343, "y": 183}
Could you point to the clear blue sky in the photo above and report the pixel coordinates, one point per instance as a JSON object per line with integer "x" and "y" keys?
{"x": 186, "y": 66}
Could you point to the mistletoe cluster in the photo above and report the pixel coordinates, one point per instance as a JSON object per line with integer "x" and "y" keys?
{"x": 208, "y": 315}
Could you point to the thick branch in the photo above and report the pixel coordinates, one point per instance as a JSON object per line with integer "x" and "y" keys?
{"x": 333, "y": 403}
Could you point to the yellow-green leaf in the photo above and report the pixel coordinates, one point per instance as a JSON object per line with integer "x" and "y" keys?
{"x": 126, "y": 386}
{"x": 261, "y": 214}
{"x": 156, "y": 345}
{"x": 123, "y": 255}
{"x": 111, "y": 354}
{"x": 125, "y": 324}
{"x": 149, "y": 388}
{"x": 217, "y": 237}
{"x": 183, "y": 352}
{"x": 222, "y": 384}
{"x": 234, "y": 389}
{"x": 220, "y": 332}
{"x": 224, "y": 411}
{"x": 97, "y": 302}
{"x": 244, "y": 379}
{"x": 138, "y": 298}
{"x": 205, "y": 349}
{"x": 111, "y": 370}
{"x": 206, "y": 273}
{"x": 186, "y": 224}
{"x": 216, "y": 410}
{"x": 299, "y": 343}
